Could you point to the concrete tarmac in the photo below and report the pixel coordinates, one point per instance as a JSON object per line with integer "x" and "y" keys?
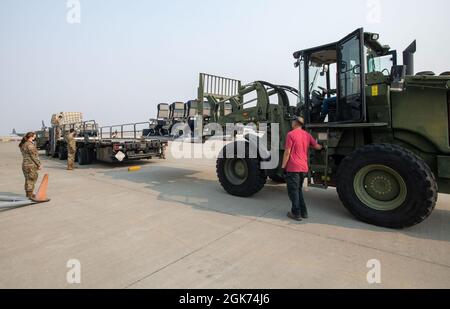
{"x": 171, "y": 225}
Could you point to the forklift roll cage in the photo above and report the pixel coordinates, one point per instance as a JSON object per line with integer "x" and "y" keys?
{"x": 350, "y": 107}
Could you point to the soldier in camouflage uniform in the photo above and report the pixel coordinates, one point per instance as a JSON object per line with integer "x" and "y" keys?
{"x": 57, "y": 125}
{"x": 31, "y": 164}
{"x": 71, "y": 149}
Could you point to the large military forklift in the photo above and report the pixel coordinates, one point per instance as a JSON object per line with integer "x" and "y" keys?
{"x": 386, "y": 130}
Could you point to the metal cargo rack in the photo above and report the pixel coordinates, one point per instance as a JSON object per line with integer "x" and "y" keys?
{"x": 129, "y": 131}
{"x": 84, "y": 129}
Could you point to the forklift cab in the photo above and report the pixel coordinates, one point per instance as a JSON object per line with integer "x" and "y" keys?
{"x": 333, "y": 77}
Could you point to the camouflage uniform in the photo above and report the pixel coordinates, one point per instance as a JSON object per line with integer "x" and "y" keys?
{"x": 30, "y": 166}
{"x": 163, "y": 152}
{"x": 71, "y": 150}
{"x": 57, "y": 128}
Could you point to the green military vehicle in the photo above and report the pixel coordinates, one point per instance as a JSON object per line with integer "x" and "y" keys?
{"x": 110, "y": 144}
{"x": 42, "y": 138}
{"x": 386, "y": 130}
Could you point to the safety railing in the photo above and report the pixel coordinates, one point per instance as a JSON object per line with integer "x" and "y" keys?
{"x": 125, "y": 131}
{"x": 89, "y": 127}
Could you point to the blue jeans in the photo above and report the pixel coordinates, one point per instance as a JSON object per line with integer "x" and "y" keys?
{"x": 295, "y": 190}
{"x": 326, "y": 106}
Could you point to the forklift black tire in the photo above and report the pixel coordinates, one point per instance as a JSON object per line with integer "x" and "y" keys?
{"x": 243, "y": 184}
{"x": 62, "y": 153}
{"x": 388, "y": 186}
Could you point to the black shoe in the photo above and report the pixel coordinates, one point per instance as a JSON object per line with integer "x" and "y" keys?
{"x": 294, "y": 217}
{"x": 305, "y": 215}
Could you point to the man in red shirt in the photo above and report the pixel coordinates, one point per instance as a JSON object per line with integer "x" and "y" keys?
{"x": 295, "y": 163}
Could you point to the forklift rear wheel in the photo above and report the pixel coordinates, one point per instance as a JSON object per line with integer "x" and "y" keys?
{"x": 387, "y": 185}
{"x": 241, "y": 177}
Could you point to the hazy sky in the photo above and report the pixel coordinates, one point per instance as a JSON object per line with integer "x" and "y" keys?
{"x": 127, "y": 56}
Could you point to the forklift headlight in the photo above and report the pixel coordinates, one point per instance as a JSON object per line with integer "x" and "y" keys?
{"x": 375, "y": 36}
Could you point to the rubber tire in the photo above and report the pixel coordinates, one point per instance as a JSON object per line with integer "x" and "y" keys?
{"x": 56, "y": 153}
{"x": 90, "y": 155}
{"x": 277, "y": 179}
{"x": 254, "y": 183}
{"x": 62, "y": 153}
{"x": 83, "y": 156}
{"x": 419, "y": 179}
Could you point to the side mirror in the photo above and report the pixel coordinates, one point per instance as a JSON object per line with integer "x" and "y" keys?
{"x": 398, "y": 74}
{"x": 325, "y": 69}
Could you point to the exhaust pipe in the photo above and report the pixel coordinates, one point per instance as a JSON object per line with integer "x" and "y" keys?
{"x": 408, "y": 58}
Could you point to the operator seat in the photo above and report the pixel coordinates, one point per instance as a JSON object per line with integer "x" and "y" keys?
{"x": 177, "y": 111}
{"x": 191, "y": 112}
{"x": 163, "y": 116}
{"x": 206, "y": 110}
{"x": 163, "y": 111}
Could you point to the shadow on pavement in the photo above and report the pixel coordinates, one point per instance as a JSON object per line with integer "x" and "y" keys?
{"x": 186, "y": 187}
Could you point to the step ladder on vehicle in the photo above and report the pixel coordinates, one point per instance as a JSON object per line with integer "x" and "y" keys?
{"x": 324, "y": 168}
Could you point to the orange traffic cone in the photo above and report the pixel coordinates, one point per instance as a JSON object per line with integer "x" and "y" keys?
{"x": 41, "y": 196}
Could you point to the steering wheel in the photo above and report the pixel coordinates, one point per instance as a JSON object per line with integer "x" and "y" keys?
{"x": 317, "y": 94}
{"x": 386, "y": 71}
{"x": 326, "y": 91}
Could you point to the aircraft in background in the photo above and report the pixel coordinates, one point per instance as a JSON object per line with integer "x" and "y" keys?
{"x": 14, "y": 133}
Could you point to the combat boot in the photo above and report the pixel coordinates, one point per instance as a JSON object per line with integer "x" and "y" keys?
{"x": 31, "y": 196}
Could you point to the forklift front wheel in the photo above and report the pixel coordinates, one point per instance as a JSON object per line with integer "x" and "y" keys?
{"x": 387, "y": 185}
{"x": 241, "y": 177}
